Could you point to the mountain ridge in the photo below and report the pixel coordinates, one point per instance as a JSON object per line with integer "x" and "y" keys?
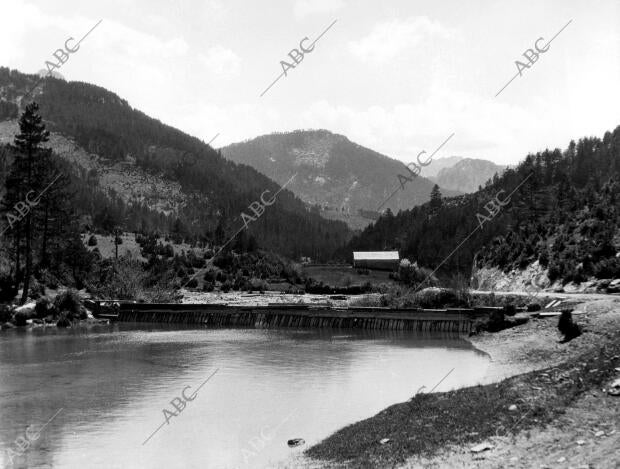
{"x": 467, "y": 174}
{"x": 343, "y": 179}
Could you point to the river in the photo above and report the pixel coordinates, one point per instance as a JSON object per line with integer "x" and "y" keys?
{"x": 105, "y": 389}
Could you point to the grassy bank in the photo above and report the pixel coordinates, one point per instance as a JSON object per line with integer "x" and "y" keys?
{"x": 429, "y": 423}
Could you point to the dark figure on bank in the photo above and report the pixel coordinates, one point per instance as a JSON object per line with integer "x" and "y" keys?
{"x": 568, "y": 327}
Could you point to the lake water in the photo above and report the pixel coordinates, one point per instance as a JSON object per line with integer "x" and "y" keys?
{"x": 107, "y": 388}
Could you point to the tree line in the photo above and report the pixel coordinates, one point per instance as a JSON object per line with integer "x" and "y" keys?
{"x": 565, "y": 213}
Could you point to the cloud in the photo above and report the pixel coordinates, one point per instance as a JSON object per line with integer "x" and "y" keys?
{"x": 391, "y": 39}
{"x": 483, "y": 127}
{"x": 234, "y": 123}
{"x": 221, "y": 61}
{"x": 304, "y": 8}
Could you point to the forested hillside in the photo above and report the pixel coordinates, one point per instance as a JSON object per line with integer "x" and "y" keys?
{"x": 214, "y": 191}
{"x": 565, "y": 213}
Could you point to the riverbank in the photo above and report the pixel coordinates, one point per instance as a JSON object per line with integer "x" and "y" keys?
{"x": 542, "y": 401}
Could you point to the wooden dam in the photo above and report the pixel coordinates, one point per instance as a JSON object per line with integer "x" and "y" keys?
{"x": 296, "y": 316}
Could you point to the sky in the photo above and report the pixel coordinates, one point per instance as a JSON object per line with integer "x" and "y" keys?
{"x": 397, "y": 76}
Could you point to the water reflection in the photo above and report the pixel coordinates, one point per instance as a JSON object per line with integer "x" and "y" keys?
{"x": 113, "y": 383}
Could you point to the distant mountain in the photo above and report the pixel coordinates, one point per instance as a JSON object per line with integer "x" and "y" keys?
{"x": 133, "y": 171}
{"x": 44, "y": 73}
{"x": 467, "y": 174}
{"x": 438, "y": 164}
{"x": 346, "y": 181}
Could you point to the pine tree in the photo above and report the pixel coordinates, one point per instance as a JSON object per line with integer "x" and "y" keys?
{"x": 32, "y": 135}
{"x": 436, "y": 201}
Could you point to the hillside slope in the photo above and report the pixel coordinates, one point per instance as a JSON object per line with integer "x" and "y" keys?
{"x": 343, "y": 179}
{"x": 564, "y": 214}
{"x": 137, "y": 161}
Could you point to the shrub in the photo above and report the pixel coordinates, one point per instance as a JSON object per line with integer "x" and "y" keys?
{"x": 226, "y": 286}
{"x": 37, "y": 290}
{"x": 438, "y": 298}
{"x": 121, "y": 280}
{"x": 69, "y": 302}
{"x": 7, "y": 288}
{"x": 5, "y": 314}
{"x": 168, "y": 251}
{"x": 63, "y": 321}
{"x": 209, "y": 276}
{"x": 19, "y": 319}
{"x": 42, "y": 308}
{"x": 92, "y": 241}
{"x": 567, "y": 326}
{"x": 193, "y": 283}
{"x": 208, "y": 287}
{"x": 49, "y": 279}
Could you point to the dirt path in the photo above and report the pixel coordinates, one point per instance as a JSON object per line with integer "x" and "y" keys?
{"x": 546, "y": 294}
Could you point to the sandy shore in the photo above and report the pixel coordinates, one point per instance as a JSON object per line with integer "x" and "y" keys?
{"x": 564, "y": 416}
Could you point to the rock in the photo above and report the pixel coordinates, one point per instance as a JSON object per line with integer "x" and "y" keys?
{"x": 513, "y": 407}
{"x": 27, "y": 309}
{"x": 614, "y": 388}
{"x": 481, "y": 447}
{"x": 581, "y": 442}
{"x": 614, "y": 286}
{"x": 599, "y": 433}
{"x": 604, "y": 282}
{"x": 295, "y": 442}
{"x": 384, "y": 441}
{"x": 572, "y": 287}
{"x": 562, "y": 459}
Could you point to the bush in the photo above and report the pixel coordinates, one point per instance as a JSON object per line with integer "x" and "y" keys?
{"x": 193, "y": 283}
{"x": 19, "y": 319}
{"x": 168, "y": 251}
{"x": 36, "y": 290}
{"x": 226, "y": 286}
{"x": 63, "y": 321}
{"x": 531, "y": 307}
{"x": 5, "y": 314}
{"x": 49, "y": 279}
{"x": 43, "y": 307}
{"x": 92, "y": 241}
{"x": 69, "y": 302}
{"x": 7, "y": 288}
{"x": 567, "y": 326}
{"x": 208, "y": 287}
{"x": 209, "y": 276}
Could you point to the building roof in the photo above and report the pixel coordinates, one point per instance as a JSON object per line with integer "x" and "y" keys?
{"x": 376, "y": 255}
